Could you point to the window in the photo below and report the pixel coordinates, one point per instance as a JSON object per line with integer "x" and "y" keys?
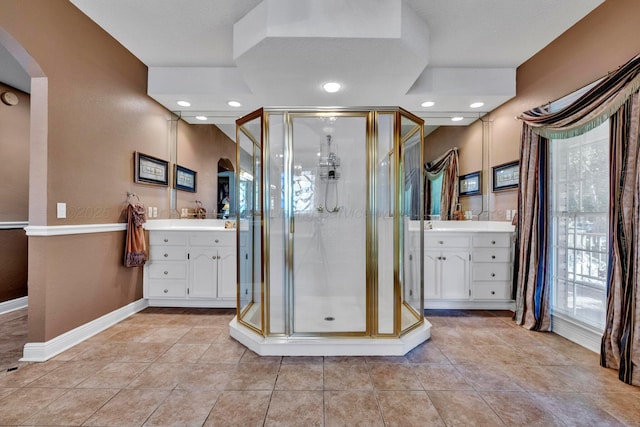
{"x": 579, "y": 206}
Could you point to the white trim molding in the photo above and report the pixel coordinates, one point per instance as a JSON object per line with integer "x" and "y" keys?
{"x": 13, "y": 225}
{"x": 13, "y": 305}
{"x": 578, "y": 332}
{"x": 59, "y": 230}
{"x": 43, "y": 351}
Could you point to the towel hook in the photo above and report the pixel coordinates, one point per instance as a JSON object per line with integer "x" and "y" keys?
{"x": 130, "y": 195}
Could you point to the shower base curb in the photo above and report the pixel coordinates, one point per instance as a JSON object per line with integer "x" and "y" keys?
{"x": 323, "y": 346}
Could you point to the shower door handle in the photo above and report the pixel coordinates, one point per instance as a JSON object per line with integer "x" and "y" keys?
{"x": 292, "y": 228}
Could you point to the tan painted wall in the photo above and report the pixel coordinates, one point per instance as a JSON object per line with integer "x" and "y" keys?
{"x": 599, "y": 43}
{"x": 14, "y": 193}
{"x": 199, "y": 148}
{"x": 14, "y": 152}
{"x": 98, "y": 115}
{"x": 78, "y": 298}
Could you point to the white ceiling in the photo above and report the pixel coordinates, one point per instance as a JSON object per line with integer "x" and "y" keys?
{"x": 384, "y": 52}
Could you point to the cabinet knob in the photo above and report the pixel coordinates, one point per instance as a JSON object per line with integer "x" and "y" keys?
{"x": 493, "y": 242}
{"x": 493, "y": 257}
{"x": 166, "y": 240}
{"x": 440, "y": 242}
{"x": 166, "y": 272}
{"x": 166, "y": 291}
{"x": 444, "y": 258}
{"x": 493, "y": 292}
{"x": 493, "y": 274}
{"x": 166, "y": 255}
{"x": 219, "y": 257}
{"x": 217, "y": 240}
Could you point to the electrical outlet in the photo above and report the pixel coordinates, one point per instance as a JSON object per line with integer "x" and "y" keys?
{"x": 508, "y": 214}
{"x": 62, "y": 210}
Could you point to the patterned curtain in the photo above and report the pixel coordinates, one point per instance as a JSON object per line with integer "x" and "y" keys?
{"x": 615, "y": 97}
{"x": 530, "y": 281}
{"x": 413, "y": 176}
{"x": 621, "y": 340}
{"x": 448, "y": 164}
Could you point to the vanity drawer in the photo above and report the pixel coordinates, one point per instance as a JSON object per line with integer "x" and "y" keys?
{"x": 222, "y": 238}
{"x": 167, "y": 238}
{"x": 499, "y": 291}
{"x": 492, "y": 240}
{"x": 491, "y": 272}
{"x": 434, "y": 241}
{"x": 167, "y": 253}
{"x": 167, "y": 288}
{"x": 491, "y": 255}
{"x": 168, "y": 270}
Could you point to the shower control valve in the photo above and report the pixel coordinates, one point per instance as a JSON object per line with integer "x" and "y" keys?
{"x": 320, "y": 208}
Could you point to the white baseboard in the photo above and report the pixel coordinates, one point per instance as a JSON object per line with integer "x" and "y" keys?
{"x": 581, "y": 334}
{"x": 42, "y": 351}
{"x": 13, "y": 304}
{"x": 192, "y": 303}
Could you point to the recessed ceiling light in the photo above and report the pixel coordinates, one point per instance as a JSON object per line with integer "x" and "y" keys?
{"x": 184, "y": 103}
{"x": 428, "y": 104}
{"x": 234, "y": 104}
{"x": 201, "y": 117}
{"x": 476, "y": 105}
{"x": 456, "y": 119}
{"x": 331, "y": 87}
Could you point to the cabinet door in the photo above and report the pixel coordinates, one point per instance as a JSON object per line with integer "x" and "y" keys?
{"x": 203, "y": 273}
{"x": 432, "y": 274}
{"x": 455, "y": 275}
{"x": 227, "y": 273}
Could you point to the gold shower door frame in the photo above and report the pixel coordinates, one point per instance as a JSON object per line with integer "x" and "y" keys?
{"x": 400, "y": 305}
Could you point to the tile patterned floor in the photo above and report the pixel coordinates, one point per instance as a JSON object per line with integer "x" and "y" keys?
{"x": 13, "y": 337}
{"x": 170, "y": 367}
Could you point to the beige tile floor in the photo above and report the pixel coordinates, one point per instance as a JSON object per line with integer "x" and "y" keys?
{"x": 178, "y": 367}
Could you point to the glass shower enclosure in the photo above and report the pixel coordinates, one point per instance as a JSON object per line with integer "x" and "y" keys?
{"x": 330, "y": 231}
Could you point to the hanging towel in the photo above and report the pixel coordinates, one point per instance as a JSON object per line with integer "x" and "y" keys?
{"x": 135, "y": 246}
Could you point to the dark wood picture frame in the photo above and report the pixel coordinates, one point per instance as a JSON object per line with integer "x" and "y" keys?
{"x": 470, "y": 184}
{"x": 506, "y": 176}
{"x": 150, "y": 170}
{"x": 184, "y": 179}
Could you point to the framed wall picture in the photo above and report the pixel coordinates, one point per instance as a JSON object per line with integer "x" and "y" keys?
{"x": 150, "y": 170}
{"x": 506, "y": 176}
{"x": 184, "y": 179}
{"x": 470, "y": 184}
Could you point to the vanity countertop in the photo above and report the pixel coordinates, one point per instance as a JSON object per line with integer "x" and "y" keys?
{"x": 187, "y": 225}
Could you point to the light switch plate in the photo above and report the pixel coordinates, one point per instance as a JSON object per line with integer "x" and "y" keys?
{"x": 62, "y": 210}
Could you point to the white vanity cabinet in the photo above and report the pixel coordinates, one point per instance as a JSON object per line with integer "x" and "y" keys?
{"x": 191, "y": 268}
{"x": 492, "y": 267}
{"x": 468, "y": 268}
{"x": 165, "y": 273}
{"x": 446, "y": 266}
